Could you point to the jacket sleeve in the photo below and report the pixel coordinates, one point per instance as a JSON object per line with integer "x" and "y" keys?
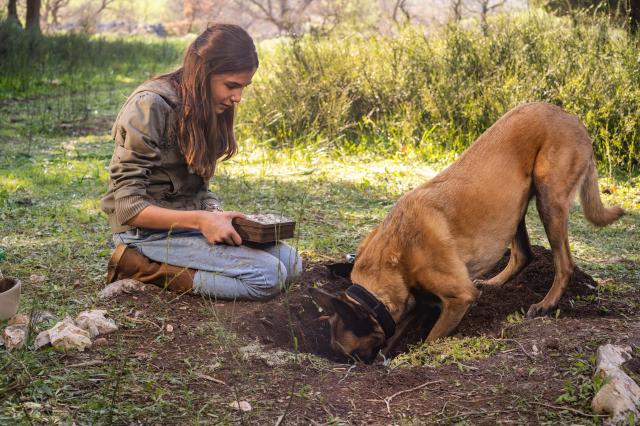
{"x": 211, "y": 202}
{"x": 137, "y": 134}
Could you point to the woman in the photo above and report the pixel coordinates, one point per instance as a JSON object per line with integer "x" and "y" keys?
{"x": 169, "y": 136}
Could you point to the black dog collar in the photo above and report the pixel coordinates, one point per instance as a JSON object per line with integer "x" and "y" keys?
{"x": 375, "y": 307}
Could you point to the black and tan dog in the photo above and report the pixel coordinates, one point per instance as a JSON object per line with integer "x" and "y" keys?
{"x": 445, "y": 233}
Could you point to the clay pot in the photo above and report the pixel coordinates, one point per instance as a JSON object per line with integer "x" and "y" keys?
{"x": 9, "y": 297}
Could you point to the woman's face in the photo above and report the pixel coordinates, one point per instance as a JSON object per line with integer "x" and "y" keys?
{"x": 227, "y": 89}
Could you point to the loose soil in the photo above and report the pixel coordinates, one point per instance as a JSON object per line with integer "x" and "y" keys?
{"x": 518, "y": 384}
{"x": 277, "y": 322}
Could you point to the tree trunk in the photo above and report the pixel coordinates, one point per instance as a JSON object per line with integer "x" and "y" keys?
{"x": 33, "y": 15}
{"x": 634, "y": 15}
{"x": 12, "y": 14}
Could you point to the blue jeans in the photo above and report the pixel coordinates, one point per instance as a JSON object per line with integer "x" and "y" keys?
{"x": 223, "y": 271}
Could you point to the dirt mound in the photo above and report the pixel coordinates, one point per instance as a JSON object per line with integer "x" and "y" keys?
{"x": 292, "y": 319}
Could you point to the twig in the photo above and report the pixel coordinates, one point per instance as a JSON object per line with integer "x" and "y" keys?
{"x": 211, "y": 379}
{"x": 388, "y": 399}
{"x": 561, "y": 407}
{"x": 347, "y": 373}
{"x": 142, "y": 320}
{"x": 313, "y": 422}
{"x": 86, "y": 363}
{"x": 280, "y": 419}
{"x": 521, "y": 347}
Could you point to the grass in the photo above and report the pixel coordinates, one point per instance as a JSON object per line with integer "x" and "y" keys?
{"x": 54, "y": 150}
{"x": 51, "y": 225}
{"x": 449, "y": 351}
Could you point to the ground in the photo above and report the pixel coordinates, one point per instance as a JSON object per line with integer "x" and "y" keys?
{"x": 498, "y": 367}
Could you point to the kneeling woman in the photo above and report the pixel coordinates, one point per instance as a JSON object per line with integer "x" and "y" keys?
{"x": 168, "y": 228}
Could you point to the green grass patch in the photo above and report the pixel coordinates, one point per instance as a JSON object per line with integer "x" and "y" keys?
{"x": 450, "y": 350}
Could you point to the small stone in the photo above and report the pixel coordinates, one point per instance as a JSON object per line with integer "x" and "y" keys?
{"x": 32, "y": 405}
{"x": 122, "y": 286}
{"x": 66, "y": 335}
{"x": 14, "y": 336}
{"x": 42, "y": 339}
{"x": 36, "y": 279}
{"x": 240, "y": 406}
{"x": 19, "y": 319}
{"x": 95, "y": 323}
{"x": 169, "y": 328}
{"x": 534, "y": 350}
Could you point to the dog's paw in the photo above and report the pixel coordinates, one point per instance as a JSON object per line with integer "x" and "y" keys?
{"x": 480, "y": 283}
{"x": 538, "y": 310}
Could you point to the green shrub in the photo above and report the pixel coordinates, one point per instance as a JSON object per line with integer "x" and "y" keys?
{"x": 438, "y": 93}
{"x": 31, "y": 64}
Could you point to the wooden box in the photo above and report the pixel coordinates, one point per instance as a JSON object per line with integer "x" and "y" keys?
{"x": 264, "y": 228}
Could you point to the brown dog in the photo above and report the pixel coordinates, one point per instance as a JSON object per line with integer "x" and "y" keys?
{"x": 442, "y": 235}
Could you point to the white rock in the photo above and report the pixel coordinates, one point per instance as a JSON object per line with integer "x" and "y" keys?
{"x": 32, "y": 405}
{"x": 14, "y": 336}
{"x": 34, "y": 278}
{"x": 240, "y": 406}
{"x": 272, "y": 358}
{"x": 95, "y": 323}
{"x": 42, "y": 339}
{"x": 19, "y": 319}
{"x": 119, "y": 287}
{"x": 66, "y": 335}
{"x": 169, "y": 328}
{"x": 620, "y": 395}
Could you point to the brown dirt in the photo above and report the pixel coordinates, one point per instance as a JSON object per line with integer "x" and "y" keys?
{"x": 518, "y": 385}
{"x": 276, "y": 322}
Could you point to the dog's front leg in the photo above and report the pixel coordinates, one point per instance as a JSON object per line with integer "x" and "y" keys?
{"x": 453, "y": 309}
{"x": 408, "y": 321}
{"x": 456, "y": 292}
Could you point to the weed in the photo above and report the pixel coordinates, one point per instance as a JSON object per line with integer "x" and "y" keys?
{"x": 582, "y": 384}
{"x": 449, "y": 350}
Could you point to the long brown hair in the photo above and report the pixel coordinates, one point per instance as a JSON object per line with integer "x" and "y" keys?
{"x": 205, "y": 137}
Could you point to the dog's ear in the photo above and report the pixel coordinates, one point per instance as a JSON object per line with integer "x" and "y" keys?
{"x": 354, "y": 316}
{"x": 323, "y": 299}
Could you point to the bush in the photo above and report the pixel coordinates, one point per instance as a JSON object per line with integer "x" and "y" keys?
{"x": 439, "y": 93}
{"x": 32, "y": 64}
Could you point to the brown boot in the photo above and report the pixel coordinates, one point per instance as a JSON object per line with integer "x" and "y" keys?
{"x": 127, "y": 262}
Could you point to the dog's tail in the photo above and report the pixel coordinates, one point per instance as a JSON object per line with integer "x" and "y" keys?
{"x": 592, "y": 206}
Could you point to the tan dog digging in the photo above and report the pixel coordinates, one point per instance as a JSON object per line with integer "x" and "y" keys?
{"x": 445, "y": 233}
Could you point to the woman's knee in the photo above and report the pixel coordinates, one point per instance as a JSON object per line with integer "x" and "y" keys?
{"x": 267, "y": 279}
{"x": 289, "y": 258}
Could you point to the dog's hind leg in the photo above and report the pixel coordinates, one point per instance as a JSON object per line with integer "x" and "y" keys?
{"x": 554, "y": 213}
{"x": 520, "y": 257}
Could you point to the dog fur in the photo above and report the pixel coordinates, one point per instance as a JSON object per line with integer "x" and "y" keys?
{"x": 445, "y": 233}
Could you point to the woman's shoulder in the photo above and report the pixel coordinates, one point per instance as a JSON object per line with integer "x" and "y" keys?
{"x": 149, "y": 108}
{"x": 157, "y": 93}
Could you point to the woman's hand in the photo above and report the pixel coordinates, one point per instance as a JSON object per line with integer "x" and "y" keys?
{"x": 217, "y": 227}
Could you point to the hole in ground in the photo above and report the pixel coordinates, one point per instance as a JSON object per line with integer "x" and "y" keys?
{"x": 275, "y": 323}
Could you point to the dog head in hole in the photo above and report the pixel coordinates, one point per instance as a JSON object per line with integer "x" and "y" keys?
{"x": 354, "y": 331}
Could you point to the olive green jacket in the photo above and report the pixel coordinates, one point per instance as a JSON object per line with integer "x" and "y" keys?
{"x": 147, "y": 167}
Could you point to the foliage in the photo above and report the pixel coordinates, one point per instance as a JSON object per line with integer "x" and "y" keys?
{"x": 583, "y": 384}
{"x": 31, "y": 64}
{"x": 439, "y": 93}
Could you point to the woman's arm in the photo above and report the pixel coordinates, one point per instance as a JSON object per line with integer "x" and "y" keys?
{"x": 215, "y": 226}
